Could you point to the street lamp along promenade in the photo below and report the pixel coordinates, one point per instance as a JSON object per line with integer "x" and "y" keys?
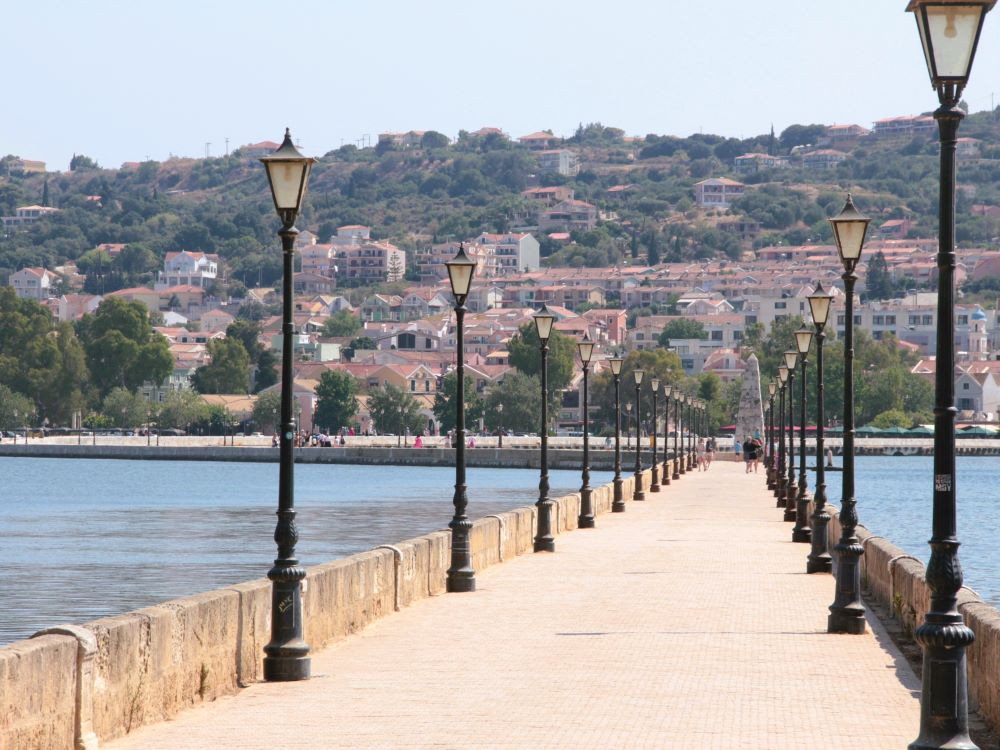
{"x": 585, "y": 520}
{"x": 676, "y": 474}
{"x": 654, "y": 486}
{"x": 637, "y": 494}
{"x": 287, "y": 654}
{"x": 772, "y": 388}
{"x": 461, "y": 574}
{"x": 949, "y": 31}
{"x": 819, "y": 557}
{"x": 791, "y": 359}
{"x": 801, "y": 532}
{"x": 544, "y": 541}
{"x": 665, "y": 471}
{"x": 617, "y": 502}
{"x": 847, "y": 613}
{"x": 782, "y": 479}
{"x": 682, "y": 423}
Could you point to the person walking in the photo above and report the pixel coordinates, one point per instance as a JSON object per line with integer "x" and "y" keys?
{"x": 747, "y": 453}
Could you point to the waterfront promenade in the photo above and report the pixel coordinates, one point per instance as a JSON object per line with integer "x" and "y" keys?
{"x": 687, "y": 621}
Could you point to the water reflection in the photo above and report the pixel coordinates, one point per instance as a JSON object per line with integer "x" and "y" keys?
{"x": 84, "y": 538}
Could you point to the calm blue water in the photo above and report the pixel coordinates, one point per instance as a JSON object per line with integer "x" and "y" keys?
{"x": 81, "y": 539}
{"x": 895, "y": 499}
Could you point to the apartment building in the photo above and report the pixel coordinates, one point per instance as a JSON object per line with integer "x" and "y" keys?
{"x": 718, "y": 192}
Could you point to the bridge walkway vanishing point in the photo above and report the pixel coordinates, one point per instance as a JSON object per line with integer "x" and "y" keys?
{"x": 687, "y": 621}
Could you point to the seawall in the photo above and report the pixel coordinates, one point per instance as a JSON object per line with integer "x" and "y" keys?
{"x": 895, "y": 578}
{"x": 498, "y": 458}
{"x": 75, "y": 685}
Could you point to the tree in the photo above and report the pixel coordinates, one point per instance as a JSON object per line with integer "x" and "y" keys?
{"x": 395, "y": 268}
{"x": 122, "y": 347}
{"x": 267, "y": 410}
{"x": 658, "y": 363}
{"x": 394, "y": 410}
{"x": 521, "y": 397}
{"x": 43, "y": 362}
{"x": 337, "y": 402}
{"x": 124, "y": 408}
{"x": 652, "y": 247}
{"x": 181, "y": 409}
{"x": 526, "y": 356}
{"x": 800, "y": 135}
{"x": 228, "y": 371}
{"x": 16, "y": 409}
{"x": 891, "y": 418}
{"x": 446, "y": 402}
{"x": 341, "y": 323}
{"x": 878, "y": 282}
{"x": 45, "y": 192}
{"x": 682, "y": 328}
{"x": 434, "y": 139}
{"x": 80, "y": 163}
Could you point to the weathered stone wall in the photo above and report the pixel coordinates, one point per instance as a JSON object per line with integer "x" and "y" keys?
{"x": 505, "y": 458}
{"x": 892, "y": 576}
{"x": 73, "y": 686}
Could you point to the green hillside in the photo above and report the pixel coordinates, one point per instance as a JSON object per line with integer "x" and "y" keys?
{"x": 442, "y": 191}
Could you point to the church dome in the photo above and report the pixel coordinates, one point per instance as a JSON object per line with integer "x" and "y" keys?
{"x": 979, "y": 314}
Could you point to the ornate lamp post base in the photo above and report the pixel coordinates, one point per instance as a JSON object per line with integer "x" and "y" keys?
{"x": 802, "y": 532}
{"x": 654, "y": 485}
{"x": 847, "y": 613}
{"x": 287, "y": 655}
{"x": 585, "y": 519}
{"x": 618, "y": 503}
{"x": 819, "y": 560}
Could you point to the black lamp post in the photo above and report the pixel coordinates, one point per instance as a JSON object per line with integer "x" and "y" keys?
{"x": 772, "y": 388}
{"x": 585, "y": 349}
{"x": 791, "y": 359}
{"x": 287, "y": 654}
{"x": 950, "y": 33}
{"x": 689, "y": 403}
{"x": 500, "y": 425}
{"x": 637, "y": 494}
{"x": 666, "y": 434}
{"x": 819, "y": 555}
{"x": 681, "y": 424}
{"x": 847, "y": 613}
{"x": 544, "y": 541}
{"x": 654, "y": 486}
{"x": 801, "y": 532}
{"x": 617, "y": 502}
{"x": 628, "y": 425}
{"x": 781, "y": 478}
{"x": 677, "y": 432}
{"x": 461, "y": 575}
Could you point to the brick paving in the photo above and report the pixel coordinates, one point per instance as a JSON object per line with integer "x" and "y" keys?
{"x": 687, "y": 621}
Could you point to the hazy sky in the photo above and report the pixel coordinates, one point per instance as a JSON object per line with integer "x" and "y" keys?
{"x": 126, "y": 80}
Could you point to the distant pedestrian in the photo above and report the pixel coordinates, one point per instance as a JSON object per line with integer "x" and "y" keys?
{"x": 747, "y": 453}
{"x": 737, "y": 445}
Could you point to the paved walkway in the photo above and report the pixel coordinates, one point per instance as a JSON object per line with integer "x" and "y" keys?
{"x": 687, "y": 621}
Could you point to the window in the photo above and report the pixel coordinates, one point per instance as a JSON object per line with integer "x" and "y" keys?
{"x": 965, "y": 386}
{"x": 927, "y": 320}
{"x": 890, "y": 320}
{"x": 716, "y": 335}
{"x": 914, "y": 320}
{"x": 737, "y": 335}
{"x": 413, "y": 386}
{"x": 857, "y": 320}
{"x": 687, "y": 364}
{"x": 840, "y": 320}
{"x": 878, "y": 320}
{"x": 963, "y": 320}
{"x": 779, "y": 305}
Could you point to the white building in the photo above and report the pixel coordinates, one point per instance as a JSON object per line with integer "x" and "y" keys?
{"x": 188, "y": 269}
{"x": 33, "y": 283}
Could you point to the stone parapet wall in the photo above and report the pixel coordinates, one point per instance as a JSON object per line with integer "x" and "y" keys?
{"x": 506, "y": 458}
{"x": 72, "y": 686}
{"x": 895, "y": 578}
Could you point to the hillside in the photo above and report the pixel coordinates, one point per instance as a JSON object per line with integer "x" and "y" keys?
{"x": 436, "y": 191}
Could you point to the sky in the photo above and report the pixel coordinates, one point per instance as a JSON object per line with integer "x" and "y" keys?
{"x": 126, "y": 81}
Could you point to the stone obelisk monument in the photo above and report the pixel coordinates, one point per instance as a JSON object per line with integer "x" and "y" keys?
{"x": 750, "y": 419}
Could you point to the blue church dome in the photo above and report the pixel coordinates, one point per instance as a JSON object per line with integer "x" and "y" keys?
{"x": 979, "y": 314}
